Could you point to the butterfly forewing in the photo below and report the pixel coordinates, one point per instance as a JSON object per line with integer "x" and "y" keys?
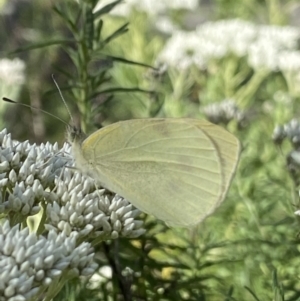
{"x": 176, "y": 169}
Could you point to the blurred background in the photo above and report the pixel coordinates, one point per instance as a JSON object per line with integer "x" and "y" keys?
{"x": 235, "y": 63}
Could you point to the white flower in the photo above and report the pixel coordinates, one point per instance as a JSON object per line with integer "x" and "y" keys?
{"x": 78, "y": 206}
{"x": 165, "y": 25}
{"x": 289, "y": 61}
{"x": 211, "y": 40}
{"x": 74, "y": 210}
{"x": 267, "y": 46}
{"x": 272, "y": 45}
{"x": 32, "y": 175}
{"x": 182, "y": 50}
{"x": 26, "y": 172}
{"x": 12, "y": 71}
{"x": 29, "y": 262}
{"x": 263, "y": 54}
{"x": 224, "y": 112}
{"x": 103, "y": 273}
{"x": 148, "y": 6}
{"x": 12, "y": 76}
{"x": 232, "y": 35}
{"x": 290, "y": 130}
{"x": 285, "y": 37}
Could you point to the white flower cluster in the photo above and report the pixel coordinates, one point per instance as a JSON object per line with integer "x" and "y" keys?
{"x": 289, "y": 61}
{"x": 268, "y": 46}
{"x": 290, "y": 130}
{"x": 29, "y": 264}
{"x": 224, "y": 112}
{"x": 27, "y": 172}
{"x": 148, "y": 6}
{"x": 229, "y": 35}
{"x": 274, "y": 46}
{"x": 165, "y": 25}
{"x": 184, "y": 49}
{"x": 79, "y": 206}
{"x": 12, "y": 76}
{"x": 12, "y": 71}
{"x": 32, "y": 177}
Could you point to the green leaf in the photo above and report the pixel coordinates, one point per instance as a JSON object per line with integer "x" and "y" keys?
{"x": 125, "y": 61}
{"x": 277, "y": 288}
{"x": 42, "y": 45}
{"x": 88, "y": 30}
{"x": 114, "y": 90}
{"x": 252, "y": 293}
{"x": 98, "y": 30}
{"x": 106, "y": 9}
{"x": 66, "y": 18}
{"x": 123, "y": 29}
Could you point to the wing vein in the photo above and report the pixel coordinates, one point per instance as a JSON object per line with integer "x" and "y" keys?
{"x": 176, "y": 154}
{"x": 143, "y": 171}
{"x": 173, "y": 138}
{"x": 155, "y": 123}
{"x": 137, "y": 147}
{"x": 190, "y": 174}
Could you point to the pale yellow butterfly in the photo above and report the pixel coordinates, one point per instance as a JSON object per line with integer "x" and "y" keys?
{"x": 178, "y": 170}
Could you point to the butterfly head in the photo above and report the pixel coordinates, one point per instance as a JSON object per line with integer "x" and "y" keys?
{"x": 75, "y": 135}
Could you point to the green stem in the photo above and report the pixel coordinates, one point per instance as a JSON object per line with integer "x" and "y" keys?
{"x": 244, "y": 95}
{"x": 57, "y": 285}
{"x": 228, "y": 76}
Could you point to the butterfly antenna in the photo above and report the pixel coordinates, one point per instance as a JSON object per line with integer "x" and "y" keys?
{"x": 32, "y": 107}
{"x": 65, "y": 103}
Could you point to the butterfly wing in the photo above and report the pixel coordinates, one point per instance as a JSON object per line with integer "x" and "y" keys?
{"x": 179, "y": 170}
